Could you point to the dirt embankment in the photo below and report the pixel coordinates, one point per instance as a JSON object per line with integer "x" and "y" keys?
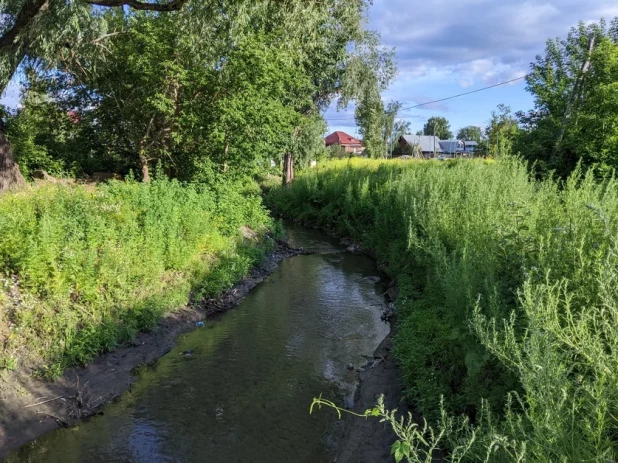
{"x": 367, "y": 440}
{"x": 30, "y": 407}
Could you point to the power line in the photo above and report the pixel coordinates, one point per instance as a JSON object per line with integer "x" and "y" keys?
{"x": 450, "y": 97}
{"x": 466, "y": 93}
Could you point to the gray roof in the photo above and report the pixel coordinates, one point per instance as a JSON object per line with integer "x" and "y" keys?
{"x": 471, "y": 143}
{"x": 426, "y": 142}
{"x": 451, "y": 146}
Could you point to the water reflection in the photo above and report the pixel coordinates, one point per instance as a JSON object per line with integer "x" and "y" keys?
{"x": 242, "y": 395}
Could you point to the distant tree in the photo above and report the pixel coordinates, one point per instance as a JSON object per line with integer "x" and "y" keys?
{"x": 419, "y": 133}
{"x": 337, "y": 152}
{"x": 375, "y": 71}
{"x": 438, "y": 126}
{"x": 471, "y": 133}
{"x": 370, "y": 120}
{"x": 501, "y": 132}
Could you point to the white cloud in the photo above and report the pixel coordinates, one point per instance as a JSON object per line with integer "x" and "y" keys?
{"x": 476, "y": 41}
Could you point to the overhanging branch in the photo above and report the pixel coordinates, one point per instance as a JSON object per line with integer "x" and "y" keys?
{"x": 32, "y": 8}
{"x": 26, "y": 15}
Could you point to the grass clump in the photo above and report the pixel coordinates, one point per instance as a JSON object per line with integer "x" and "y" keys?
{"x": 85, "y": 269}
{"x": 508, "y": 308}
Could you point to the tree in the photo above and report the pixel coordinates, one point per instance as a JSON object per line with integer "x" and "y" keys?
{"x": 470, "y": 133}
{"x": 572, "y": 88}
{"x": 370, "y": 120}
{"x": 38, "y": 29}
{"x": 214, "y": 86}
{"x": 438, "y": 126}
{"x": 388, "y": 130}
{"x": 371, "y": 69}
{"x": 501, "y": 132}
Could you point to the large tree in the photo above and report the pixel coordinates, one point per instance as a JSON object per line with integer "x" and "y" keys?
{"x": 438, "y": 126}
{"x": 470, "y": 133}
{"x": 230, "y": 87}
{"x": 38, "y": 29}
{"x": 573, "y": 84}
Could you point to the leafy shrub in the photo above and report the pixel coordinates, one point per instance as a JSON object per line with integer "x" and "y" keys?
{"x": 85, "y": 269}
{"x": 507, "y": 304}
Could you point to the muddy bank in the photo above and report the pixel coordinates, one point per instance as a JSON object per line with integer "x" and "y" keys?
{"x": 367, "y": 440}
{"x": 30, "y": 407}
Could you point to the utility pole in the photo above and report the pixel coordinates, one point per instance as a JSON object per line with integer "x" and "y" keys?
{"x": 434, "y": 138}
{"x": 575, "y": 95}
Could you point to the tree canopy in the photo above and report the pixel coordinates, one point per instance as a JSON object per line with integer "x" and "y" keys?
{"x": 575, "y": 94}
{"x": 198, "y": 87}
{"x": 438, "y": 126}
{"x": 471, "y": 133}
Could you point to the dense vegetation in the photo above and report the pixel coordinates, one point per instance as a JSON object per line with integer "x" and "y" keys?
{"x": 507, "y": 304}
{"x": 204, "y": 90}
{"x": 85, "y": 269}
{"x": 507, "y": 307}
{"x": 211, "y": 94}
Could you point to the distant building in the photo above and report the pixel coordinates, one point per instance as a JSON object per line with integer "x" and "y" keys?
{"x": 349, "y": 143}
{"x": 454, "y": 148}
{"x": 426, "y": 146}
{"x": 429, "y": 146}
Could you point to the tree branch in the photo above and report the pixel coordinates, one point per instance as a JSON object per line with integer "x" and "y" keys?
{"x": 32, "y": 8}
{"x": 26, "y": 15}
{"x": 137, "y": 5}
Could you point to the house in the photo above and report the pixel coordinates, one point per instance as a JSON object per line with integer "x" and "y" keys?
{"x": 454, "y": 148}
{"x": 470, "y": 146}
{"x": 426, "y": 146}
{"x": 349, "y": 143}
{"x": 429, "y": 146}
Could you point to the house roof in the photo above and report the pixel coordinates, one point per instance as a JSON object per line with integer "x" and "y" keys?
{"x": 341, "y": 138}
{"x": 426, "y": 142}
{"x": 471, "y": 143}
{"x": 451, "y": 146}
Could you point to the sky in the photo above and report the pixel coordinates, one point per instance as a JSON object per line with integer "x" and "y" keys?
{"x": 448, "y": 47}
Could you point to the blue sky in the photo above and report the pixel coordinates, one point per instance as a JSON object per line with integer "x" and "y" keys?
{"x": 447, "y": 47}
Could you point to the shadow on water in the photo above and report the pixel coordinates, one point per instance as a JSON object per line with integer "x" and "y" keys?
{"x": 239, "y": 389}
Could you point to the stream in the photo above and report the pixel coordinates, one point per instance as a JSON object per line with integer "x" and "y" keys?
{"x": 239, "y": 389}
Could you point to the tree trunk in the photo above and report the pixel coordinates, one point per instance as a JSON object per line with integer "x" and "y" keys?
{"x": 288, "y": 169}
{"x": 10, "y": 176}
{"x": 145, "y": 170}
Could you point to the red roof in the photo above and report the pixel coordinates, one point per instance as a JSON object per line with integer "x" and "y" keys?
{"x": 341, "y": 138}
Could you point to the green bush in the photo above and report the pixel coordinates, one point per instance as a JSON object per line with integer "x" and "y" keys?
{"x": 85, "y": 269}
{"x": 508, "y": 305}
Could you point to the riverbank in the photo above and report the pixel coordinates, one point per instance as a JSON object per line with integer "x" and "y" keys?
{"x": 506, "y": 285}
{"x": 30, "y": 407}
{"x": 367, "y": 440}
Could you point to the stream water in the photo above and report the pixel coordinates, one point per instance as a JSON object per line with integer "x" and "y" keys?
{"x": 239, "y": 389}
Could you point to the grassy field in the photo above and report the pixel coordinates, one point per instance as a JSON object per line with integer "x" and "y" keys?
{"x": 84, "y": 269}
{"x": 508, "y": 304}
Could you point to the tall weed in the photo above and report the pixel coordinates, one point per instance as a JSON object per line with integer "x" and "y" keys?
{"x": 84, "y": 269}
{"x": 508, "y": 305}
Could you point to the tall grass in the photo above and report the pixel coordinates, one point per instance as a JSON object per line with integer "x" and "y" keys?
{"x": 84, "y": 269}
{"x": 508, "y": 304}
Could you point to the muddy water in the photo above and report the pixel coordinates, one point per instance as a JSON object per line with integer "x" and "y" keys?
{"x": 239, "y": 389}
